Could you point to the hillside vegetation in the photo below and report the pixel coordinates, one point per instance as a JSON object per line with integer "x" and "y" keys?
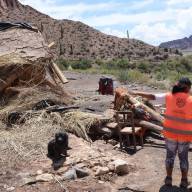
{"x": 159, "y": 74}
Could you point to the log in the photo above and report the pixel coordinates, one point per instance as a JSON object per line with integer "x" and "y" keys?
{"x": 148, "y": 125}
{"x": 51, "y": 44}
{"x": 57, "y": 108}
{"x": 154, "y": 114}
{"x": 122, "y": 97}
{"x": 59, "y": 73}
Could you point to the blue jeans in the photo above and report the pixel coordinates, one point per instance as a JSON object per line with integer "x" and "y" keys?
{"x": 172, "y": 147}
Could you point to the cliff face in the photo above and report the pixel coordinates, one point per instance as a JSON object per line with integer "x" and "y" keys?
{"x": 9, "y": 4}
{"x": 77, "y": 40}
{"x": 183, "y": 44}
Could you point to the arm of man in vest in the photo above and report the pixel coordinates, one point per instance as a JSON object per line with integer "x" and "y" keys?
{"x": 158, "y": 97}
{"x": 148, "y": 96}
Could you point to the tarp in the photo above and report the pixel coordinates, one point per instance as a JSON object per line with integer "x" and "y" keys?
{"x": 7, "y": 25}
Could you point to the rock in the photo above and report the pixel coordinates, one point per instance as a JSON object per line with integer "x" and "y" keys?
{"x": 101, "y": 171}
{"x": 96, "y": 163}
{"x": 112, "y": 142}
{"x": 5, "y": 186}
{"x": 111, "y": 167}
{"x": 81, "y": 172}
{"x": 28, "y": 181}
{"x": 69, "y": 162}
{"x": 23, "y": 174}
{"x": 39, "y": 172}
{"x": 116, "y": 146}
{"x": 95, "y": 168}
{"x": 81, "y": 165}
{"x": 62, "y": 170}
{"x": 121, "y": 167}
{"x": 101, "y": 182}
{"x": 10, "y": 189}
{"x": 44, "y": 177}
{"x": 70, "y": 175}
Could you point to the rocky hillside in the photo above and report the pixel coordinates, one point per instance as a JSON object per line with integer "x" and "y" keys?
{"x": 77, "y": 40}
{"x": 183, "y": 44}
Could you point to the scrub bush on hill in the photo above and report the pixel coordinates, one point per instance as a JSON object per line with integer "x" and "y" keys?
{"x": 62, "y": 63}
{"x": 143, "y": 71}
{"x": 82, "y": 64}
{"x": 118, "y": 64}
{"x": 133, "y": 76}
{"x": 75, "y": 64}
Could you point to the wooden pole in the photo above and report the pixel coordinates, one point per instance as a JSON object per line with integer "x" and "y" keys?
{"x": 59, "y": 73}
{"x": 149, "y": 125}
{"x": 154, "y": 114}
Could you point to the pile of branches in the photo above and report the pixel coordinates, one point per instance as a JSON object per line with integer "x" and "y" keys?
{"x": 144, "y": 113}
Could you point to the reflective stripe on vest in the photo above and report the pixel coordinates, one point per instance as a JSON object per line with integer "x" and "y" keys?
{"x": 178, "y": 119}
{"x": 177, "y": 131}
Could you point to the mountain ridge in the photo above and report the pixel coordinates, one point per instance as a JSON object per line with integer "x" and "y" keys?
{"x": 182, "y": 44}
{"x": 76, "y": 40}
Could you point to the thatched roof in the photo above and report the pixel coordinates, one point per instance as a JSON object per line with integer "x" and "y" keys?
{"x": 25, "y": 58}
{"x": 22, "y": 46}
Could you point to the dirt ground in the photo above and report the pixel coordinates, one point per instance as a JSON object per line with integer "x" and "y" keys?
{"x": 146, "y": 166}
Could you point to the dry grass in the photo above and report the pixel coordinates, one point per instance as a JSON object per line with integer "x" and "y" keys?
{"x": 28, "y": 142}
{"x": 27, "y": 98}
{"x": 12, "y": 58}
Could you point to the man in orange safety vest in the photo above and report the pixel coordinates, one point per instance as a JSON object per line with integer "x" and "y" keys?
{"x": 177, "y": 126}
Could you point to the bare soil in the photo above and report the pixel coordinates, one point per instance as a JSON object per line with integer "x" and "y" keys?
{"x": 146, "y": 166}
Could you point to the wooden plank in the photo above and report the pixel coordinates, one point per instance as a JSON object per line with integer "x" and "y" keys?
{"x": 111, "y": 125}
{"x": 129, "y": 130}
{"x": 149, "y": 125}
{"x": 59, "y": 73}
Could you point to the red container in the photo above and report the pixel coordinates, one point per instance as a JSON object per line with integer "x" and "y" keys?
{"x": 106, "y": 86}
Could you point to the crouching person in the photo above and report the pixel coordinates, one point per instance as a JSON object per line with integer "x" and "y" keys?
{"x": 57, "y": 150}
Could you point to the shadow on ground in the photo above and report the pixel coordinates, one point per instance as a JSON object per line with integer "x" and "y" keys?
{"x": 165, "y": 188}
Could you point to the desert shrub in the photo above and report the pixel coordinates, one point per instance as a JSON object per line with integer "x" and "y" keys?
{"x": 144, "y": 67}
{"x": 123, "y": 63}
{"x": 110, "y": 64}
{"x": 133, "y": 76}
{"x": 123, "y": 75}
{"x": 99, "y": 62}
{"x": 117, "y": 64}
{"x": 174, "y": 76}
{"x": 81, "y": 64}
{"x": 186, "y": 64}
{"x": 62, "y": 63}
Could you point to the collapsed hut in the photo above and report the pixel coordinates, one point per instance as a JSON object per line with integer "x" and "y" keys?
{"x": 27, "y": 71}
{"x": 25, "y": 59}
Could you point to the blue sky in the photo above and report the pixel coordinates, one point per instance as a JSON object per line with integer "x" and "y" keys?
{"x": 153, "y": 21}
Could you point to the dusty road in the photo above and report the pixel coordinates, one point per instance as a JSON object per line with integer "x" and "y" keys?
{"x": 147, "y": 170}
{"x": 149, "y": 160}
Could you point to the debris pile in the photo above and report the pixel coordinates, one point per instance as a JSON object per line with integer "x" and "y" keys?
{"x": 26, "y": 66}
{"x": 144, "y": 113}
{"x": 34, "y": 106}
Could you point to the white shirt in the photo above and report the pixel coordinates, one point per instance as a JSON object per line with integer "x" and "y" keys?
{"x": 160, "y": 98}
